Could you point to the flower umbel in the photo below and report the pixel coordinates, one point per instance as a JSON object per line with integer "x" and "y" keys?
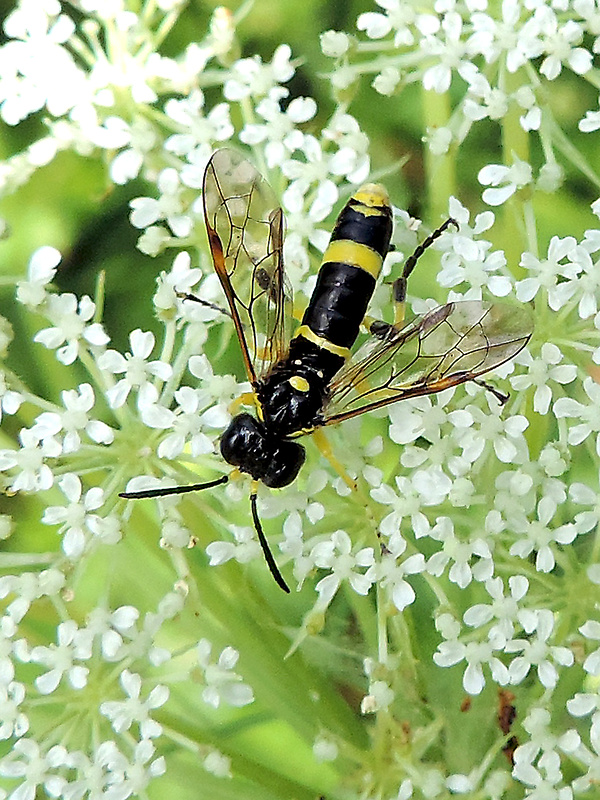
{"x": 446, "y": 611}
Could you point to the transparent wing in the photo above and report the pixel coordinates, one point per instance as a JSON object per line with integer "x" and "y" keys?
{"x": 245, "y": 228}
{"x": 452, "y": 344}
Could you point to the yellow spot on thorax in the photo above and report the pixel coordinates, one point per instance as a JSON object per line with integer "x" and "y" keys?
{"x": 299, "y": 383}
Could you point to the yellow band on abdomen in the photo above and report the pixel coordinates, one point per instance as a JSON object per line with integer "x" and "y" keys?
{"x": 324, "y": 344}
{"x": 356, "y": 254}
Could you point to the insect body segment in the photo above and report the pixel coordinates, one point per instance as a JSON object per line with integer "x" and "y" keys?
{"x": 312, "y": 380}
{"x": 293, "y": 393}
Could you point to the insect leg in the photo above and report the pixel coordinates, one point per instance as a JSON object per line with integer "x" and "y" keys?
{"x": 279, "y": 580}
{"x": 411, "y": 262}
{"x": 501, "y": 397}
{"x": 326, "y": 451}
{"x": 207, "y": 303}
{"x": 245, "y": 399}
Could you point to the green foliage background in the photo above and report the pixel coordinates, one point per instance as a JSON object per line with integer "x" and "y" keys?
{"x": 71, "y": 206}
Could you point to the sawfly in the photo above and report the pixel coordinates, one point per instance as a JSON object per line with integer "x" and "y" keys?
{"x": 304, "y": 382}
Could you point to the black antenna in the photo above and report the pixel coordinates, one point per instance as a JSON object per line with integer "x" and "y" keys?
{"x": 265, "y": 547}
{"x": 197, "y": 487}
{"x": 411, "y": 261}
{"x": 166, "y": 490}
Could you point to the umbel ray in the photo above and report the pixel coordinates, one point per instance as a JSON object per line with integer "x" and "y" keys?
{"x": 304, "y": 383}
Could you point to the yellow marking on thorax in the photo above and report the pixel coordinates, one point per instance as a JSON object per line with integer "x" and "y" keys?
{"x": 324, "y": 344}
{"x": 299, "y": 383}
{"x": 357, "y": 255}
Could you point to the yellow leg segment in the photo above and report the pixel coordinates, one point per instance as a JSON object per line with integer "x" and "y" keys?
{"x": 399, "y": 313}
{"x": 326, "y": 451}
{"x": 245, "y": 399}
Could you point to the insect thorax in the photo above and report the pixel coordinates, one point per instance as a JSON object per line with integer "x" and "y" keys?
{"x": 292, "y": 395}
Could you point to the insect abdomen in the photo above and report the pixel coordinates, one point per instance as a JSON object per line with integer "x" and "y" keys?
{"x": 292, "y": 395}
{"x": 351, "y": 265}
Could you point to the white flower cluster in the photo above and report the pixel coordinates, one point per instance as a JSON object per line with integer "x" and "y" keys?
{"x": 492, "y": 511}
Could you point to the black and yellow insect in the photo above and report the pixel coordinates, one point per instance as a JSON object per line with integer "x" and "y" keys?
{"x": 304, "y": 383}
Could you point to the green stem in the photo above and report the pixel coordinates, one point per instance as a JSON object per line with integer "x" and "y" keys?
{"x": 440, "y": 172}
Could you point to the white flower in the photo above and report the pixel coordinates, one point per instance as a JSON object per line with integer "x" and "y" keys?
{"x": 244, "y": 549}
{"x": 40, "y": 272}
{"x": 137, "y": 370}
{"x": 558, "y": 41}
{"x": 398, "y": 16}
{"x": 279, "y": 129}
{"x": 426, "y": 487}
{"x": 537, "y": 652}
{"x": 75, "y": 519}
{"x": 61, "y": 659}
{"x": 589, "y": 414}
{"x": 352, "y": 158}
{"x": 10, "y": 401}
{"x": 334, "y": 44}
{"x": 379, "y": 698}
{"x": 504, "y": 609}
{"x": 591, "y": 630}
{"x": 223, "y": 685}
{"x": 123, "y": 713}
{"x": 134, "y": 143}
{"x": 250, "y": 77}
{"x": 591, "y": 121}
{"x": 34, "y": 767}
{"x": 545, "y": 780}
{"x": 461, "y": 552}
{"x": 188, "y": 423}
{"x": 217, "y": 764}
{"x": 70, "y": 319}
{"x": 314, "y": 168}
{"x": 181, "y": 278}
{"x": 27, "y": 588}
{"x": 336, "y": 555}
{"x": 198, "y": 131}
{"x": 13, "y": 722}
{"x": 541, "y": 372}
{"x": 585, "y": 495}
{"x": 131, "y": 778}
{"x": 509, "y": 179}
{"x": 170, "y": 206}
{"x": 390, "y": 571}
{"x": 488, "y": 426}
{"x": 37, "y": 69}
{"x": 110, "y": 627}
{"x": 448, "y": 50}
{"x": 538, "y": 535}
{"x": 34, "y": 474}
{"x": 467, "y": 258}
{"x": 545, "y": 273}
{"x": 582, "y": 283}
{"x": 476, "y": 654}
{"x": 73, "y": 420}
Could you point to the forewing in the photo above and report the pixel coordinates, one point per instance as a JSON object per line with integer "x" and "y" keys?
{"x": 245, "y": 228}
{"x": 449, "y": 345}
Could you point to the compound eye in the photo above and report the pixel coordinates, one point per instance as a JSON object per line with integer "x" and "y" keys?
{"x": 242, "y": 438}
{"x": 287, "y": 460}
